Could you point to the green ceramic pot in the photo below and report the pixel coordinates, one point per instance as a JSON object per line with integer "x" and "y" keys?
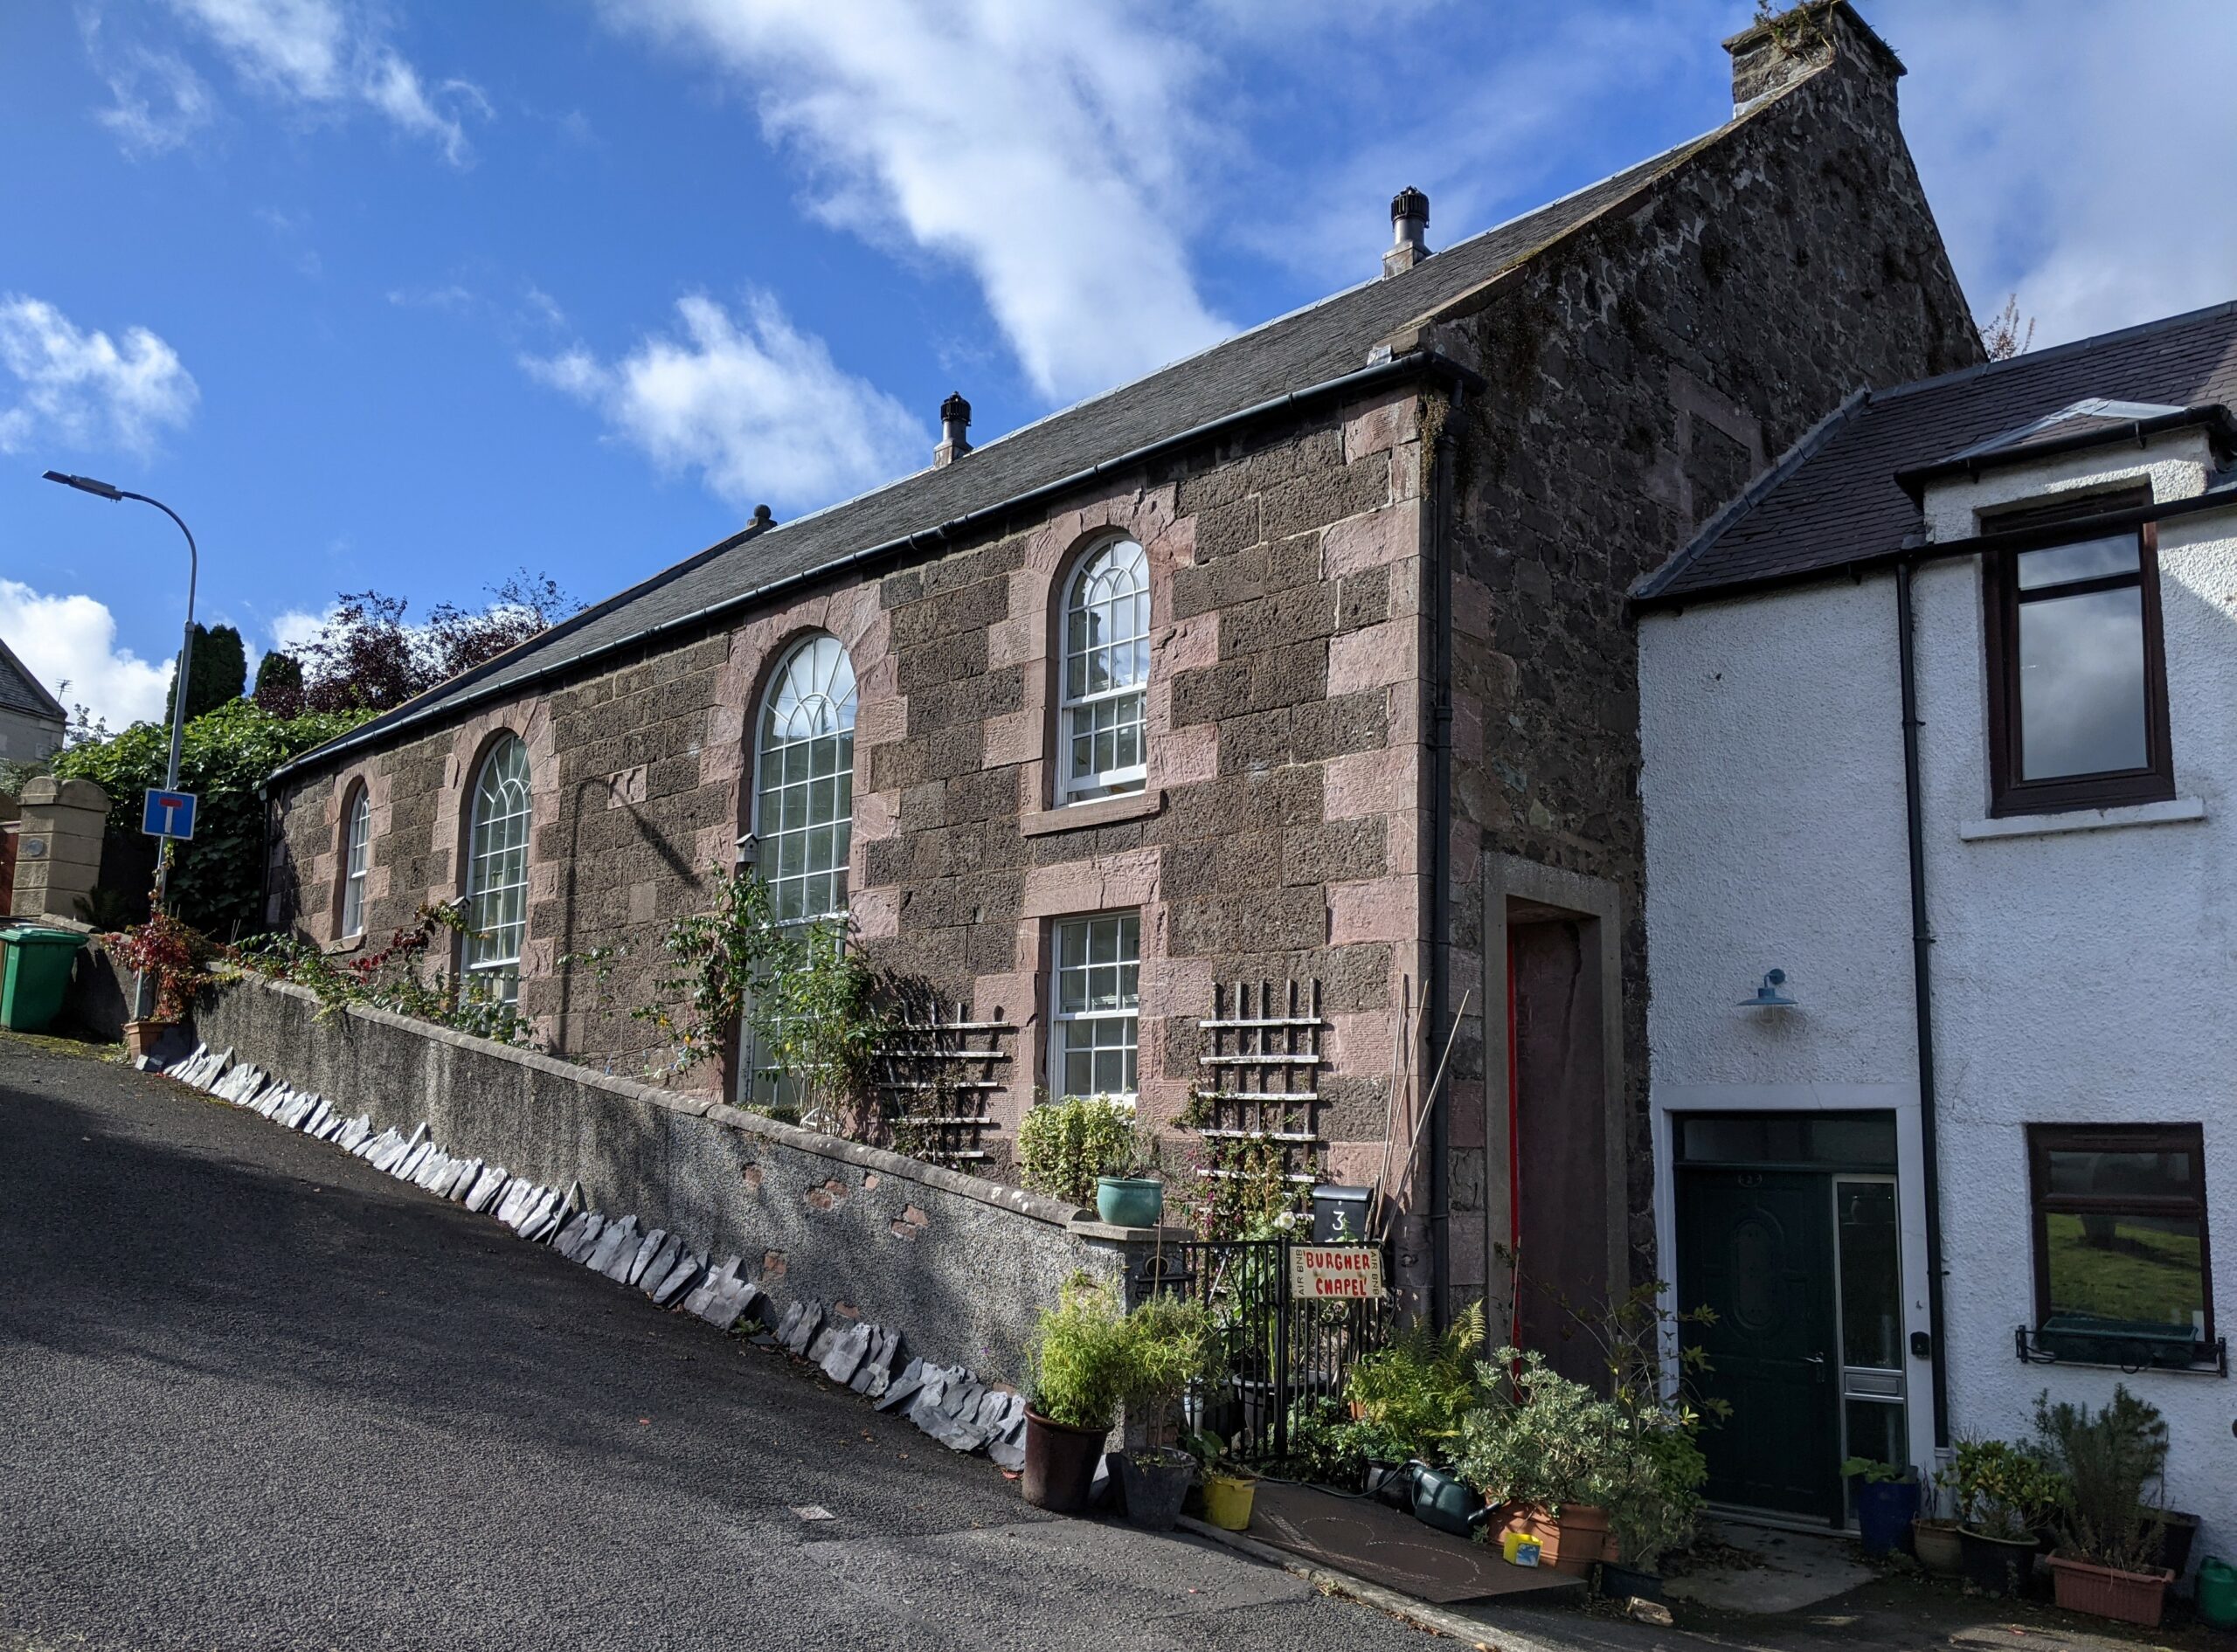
{"x": 1129, "y": 1201}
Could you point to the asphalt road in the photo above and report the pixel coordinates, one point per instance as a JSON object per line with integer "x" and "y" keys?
{"x": 254, "y": 1393}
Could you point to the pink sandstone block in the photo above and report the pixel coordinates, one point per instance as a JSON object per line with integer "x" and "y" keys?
{"x": 1374, "y": 909}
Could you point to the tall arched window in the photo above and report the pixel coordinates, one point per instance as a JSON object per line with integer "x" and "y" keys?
{"x": 356, "y": 858}
{"x": 804, "y": 786}
{"x": 496, "y": 871}
{"x": 1102, "y": 743}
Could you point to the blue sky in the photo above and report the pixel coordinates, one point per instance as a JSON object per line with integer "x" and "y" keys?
{"x": 408, "y": 295}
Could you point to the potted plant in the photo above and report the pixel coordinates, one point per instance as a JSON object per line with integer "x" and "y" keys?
{"x": 1070, "y": 1149}
{"x": 1079, "y": 1365}
{"x": 2005, "y": 1494}
{"x": 2115, "y": 1461}
{"x": 1131, "y": 1193}
{"x": 1230, "y": 1488}
{"x": 1653, "y": 1488}
{"x": 1933, "y": 1533}
{"x": 1886, "y": 1496}
{"x": 1172, "y": 1346}
{"x": 1543, "y": 1448}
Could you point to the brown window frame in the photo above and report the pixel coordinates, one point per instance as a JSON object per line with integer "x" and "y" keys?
{"x": 2010, "y": 794}
{"x": 2045, "y": 1139}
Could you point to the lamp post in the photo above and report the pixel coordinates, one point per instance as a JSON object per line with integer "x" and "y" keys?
{"x": 141, "y": 994}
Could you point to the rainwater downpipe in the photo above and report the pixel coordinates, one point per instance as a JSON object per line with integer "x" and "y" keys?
{"x": 1922, "y": 996}
{"x": 1445, "y": 461}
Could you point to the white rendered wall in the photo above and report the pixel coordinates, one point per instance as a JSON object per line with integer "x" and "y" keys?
{"x": 1775, "y": 838}
{"x": 2083, "y": 976}
{"x": 2085, "y": 966}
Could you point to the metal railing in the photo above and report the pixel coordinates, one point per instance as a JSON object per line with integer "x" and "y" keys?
{"x": 1281, "y": 1348}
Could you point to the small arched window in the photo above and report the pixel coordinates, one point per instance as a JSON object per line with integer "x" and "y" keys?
{"x": 356, "y": 859}
{"x": 804, "y": 786}
{"x": 496, "y": 871}
{"x": 1102, "y": 743}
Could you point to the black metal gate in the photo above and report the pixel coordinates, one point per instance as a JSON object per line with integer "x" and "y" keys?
{"x": 1281, "y": 1347}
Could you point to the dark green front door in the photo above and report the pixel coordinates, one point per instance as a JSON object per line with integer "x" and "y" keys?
{"x": 1756, "y": 1247}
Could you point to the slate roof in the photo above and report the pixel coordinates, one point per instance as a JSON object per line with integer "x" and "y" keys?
{"x": 1835, "y": 499}
{"x": 21, "y": 692}
{"x": 1299, "y": 351}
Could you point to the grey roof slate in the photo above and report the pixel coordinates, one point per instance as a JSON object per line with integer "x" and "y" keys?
{"x": 21, "y": 692}
{"x": 1297, "y": 351}
{"x": 1834, "y": 500}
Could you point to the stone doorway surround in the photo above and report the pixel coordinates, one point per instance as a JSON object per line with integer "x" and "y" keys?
{"x": 1516, "y": 893}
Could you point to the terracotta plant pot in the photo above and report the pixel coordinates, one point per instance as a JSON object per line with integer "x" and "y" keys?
{"x": 1575, "y": 1542}
{"x": 1059, "y": 1463}
{"x": 141, "y": 1037}
{"x": 1935, "y": 1544}
{"x": 2125, "y": 1597}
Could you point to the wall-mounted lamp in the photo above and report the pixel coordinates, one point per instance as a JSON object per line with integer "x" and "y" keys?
{"x": 1768, "y": 996}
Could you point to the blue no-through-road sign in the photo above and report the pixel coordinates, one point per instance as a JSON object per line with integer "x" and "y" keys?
{"x": 168, "y": 814}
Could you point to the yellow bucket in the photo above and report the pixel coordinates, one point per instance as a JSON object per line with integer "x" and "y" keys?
{"x": 1227, "y": 1501}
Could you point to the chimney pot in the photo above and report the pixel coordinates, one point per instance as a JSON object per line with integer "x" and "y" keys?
{"x": 955, "y": 418}
{"x": 1409, "y": 231}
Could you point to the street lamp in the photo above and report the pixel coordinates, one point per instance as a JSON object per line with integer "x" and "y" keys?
{"x": 103, "y": 490}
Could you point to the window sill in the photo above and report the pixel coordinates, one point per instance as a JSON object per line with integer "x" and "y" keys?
{"x": 2174, "y": 811}
{"x": 2208, "y": 1359}
{"x": 347, "y": 943}
{"x": 1097, "y": 811}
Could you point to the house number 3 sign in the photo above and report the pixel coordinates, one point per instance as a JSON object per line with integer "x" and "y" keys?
{"x": 1335, "y": 1273}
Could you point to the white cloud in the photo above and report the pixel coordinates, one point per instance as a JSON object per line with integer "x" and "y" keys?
{"x": 2074, "y": 158}
{"x": 326, "y": 54}
{"x": 70, "y": 645}
{"x": 758, "y": 408}
{"x": 159, "y": 100}
{"x": 85, "y": 389}
{"x": 1043, "y": 147}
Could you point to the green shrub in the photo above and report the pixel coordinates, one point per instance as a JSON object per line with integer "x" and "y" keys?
{"x": 2114, "y": 1462}
{"x": 2007, "y": 1490}
{"x": 1419, "y": 1389}
{"x": 1062, "y": 1147}
{"x": 1081, "y": 1360}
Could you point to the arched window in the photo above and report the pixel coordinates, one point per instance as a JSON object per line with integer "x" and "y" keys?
{"x": 1102, "y": 745}
{"x": 496, "y": 871}
{"x": 804, "y": 786}
{"x": 356, "y": 858}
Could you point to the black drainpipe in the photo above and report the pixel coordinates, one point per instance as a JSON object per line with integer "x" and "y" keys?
{"x": 1922, "y": 993}
{"x": 1440, "y": 994}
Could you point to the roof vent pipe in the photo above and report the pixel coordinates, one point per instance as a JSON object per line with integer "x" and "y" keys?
{"x": 1409, "y": 231}
{"x": 955, "y": 418}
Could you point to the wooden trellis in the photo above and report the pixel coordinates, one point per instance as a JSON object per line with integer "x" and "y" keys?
{"x": 1260, "y": 1079}
{"x": 939, "y": 1073}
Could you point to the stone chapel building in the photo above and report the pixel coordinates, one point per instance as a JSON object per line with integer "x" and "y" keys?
{"x": 1234, "y": 732}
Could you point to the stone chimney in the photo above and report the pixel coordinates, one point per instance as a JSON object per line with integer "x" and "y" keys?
{"x": 955, "y": 418}
{"x": 1409, "y": 231}
{"x": 1776, "y": 53}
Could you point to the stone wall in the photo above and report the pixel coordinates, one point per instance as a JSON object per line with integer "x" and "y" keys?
{"x": 1640, "y": 372}
{"x": 1277, "y": 837}
{"x": 962, "y": 1266}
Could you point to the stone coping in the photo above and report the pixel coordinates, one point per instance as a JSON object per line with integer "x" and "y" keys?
{"x": 1014, "y": 1199}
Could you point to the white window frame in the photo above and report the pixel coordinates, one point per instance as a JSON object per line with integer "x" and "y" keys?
{"x": 1113, "y": 574}
{"x": 1069, "y": 939}
{"x": 496, "y": 873}
{"x": 812, "y": 696}
{"x": 356, "y": 861}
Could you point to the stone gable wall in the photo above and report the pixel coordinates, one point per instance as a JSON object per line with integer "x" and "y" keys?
{"x": 1279, "y": 837}
{"x": 1639, "y": 374}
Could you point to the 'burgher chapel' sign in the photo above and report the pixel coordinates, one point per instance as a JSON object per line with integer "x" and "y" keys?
{"x": 1336, "y": 1272}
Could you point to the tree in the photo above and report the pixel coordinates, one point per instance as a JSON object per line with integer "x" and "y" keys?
{"x": 279, "y": 684}
{"x": 227, "y": 755}
{"x": 218, "y": 673}
{"x": 367, "y": 658}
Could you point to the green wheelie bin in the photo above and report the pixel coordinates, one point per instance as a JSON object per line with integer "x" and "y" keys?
{"x": 34, "y": 975}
